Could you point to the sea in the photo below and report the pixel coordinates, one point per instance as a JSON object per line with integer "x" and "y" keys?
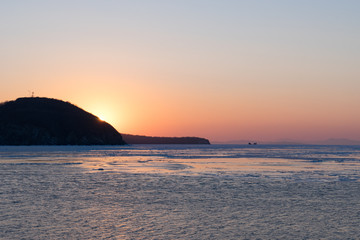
{"x": 180, "y": 192}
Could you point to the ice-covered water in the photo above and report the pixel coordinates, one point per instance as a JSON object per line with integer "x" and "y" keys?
{"x": 180, "y": 192}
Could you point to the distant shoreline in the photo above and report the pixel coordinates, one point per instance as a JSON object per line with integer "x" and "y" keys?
{"x": 140, "y": 139}
{"x": 329, "y": 142}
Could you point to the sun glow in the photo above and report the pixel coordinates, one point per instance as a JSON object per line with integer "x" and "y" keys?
{"x": 102, "y": 118}
{"x": 104, "y": 114}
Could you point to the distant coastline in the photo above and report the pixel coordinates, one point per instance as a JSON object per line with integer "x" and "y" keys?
{"x": 139, "y": 139}
{"x": 330, "y": 141}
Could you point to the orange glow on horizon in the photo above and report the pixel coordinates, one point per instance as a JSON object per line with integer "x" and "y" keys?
{"x": 104, "y": 111}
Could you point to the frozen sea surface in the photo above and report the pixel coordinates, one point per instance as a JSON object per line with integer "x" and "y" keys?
{"x": 180, "y": 192}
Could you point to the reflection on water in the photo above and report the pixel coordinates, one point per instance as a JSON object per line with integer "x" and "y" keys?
{"x": 314, "y": 162}
{"x": 180, "y": 192}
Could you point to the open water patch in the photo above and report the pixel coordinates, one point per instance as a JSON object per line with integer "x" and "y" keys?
{"x": 166, "y": 196}
{"x": 41, "y": 163}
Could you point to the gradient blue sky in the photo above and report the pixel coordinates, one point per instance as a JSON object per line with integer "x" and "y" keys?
{"x": 257, "y": 70}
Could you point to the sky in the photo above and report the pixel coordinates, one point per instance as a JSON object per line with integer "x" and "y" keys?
{"x": 225, "y": 70}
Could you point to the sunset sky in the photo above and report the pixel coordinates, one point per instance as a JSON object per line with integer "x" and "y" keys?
{"x": 224, "y": 70}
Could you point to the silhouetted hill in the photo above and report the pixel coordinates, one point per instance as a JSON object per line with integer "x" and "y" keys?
{"x": 136, "y": 139}
{"x": 45, "y": 121}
